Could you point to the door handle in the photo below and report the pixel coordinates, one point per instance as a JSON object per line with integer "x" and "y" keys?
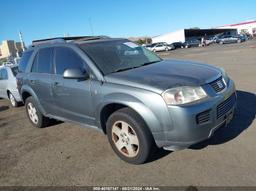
{"x": 55, "y": 84}
{"x": 33, "y": 81}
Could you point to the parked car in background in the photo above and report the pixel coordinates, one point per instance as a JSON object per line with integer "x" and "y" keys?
{"x": 243, "y": 37}
{"x": 176, "y": 45}
{"x": 209, "y": 40}
{"x": 191, "y": 43}
{"x": 158, "y": 47}
{"x": 226, "y": 39}
{"x": 149, "y": 46}
{"x": 8, "y": 85}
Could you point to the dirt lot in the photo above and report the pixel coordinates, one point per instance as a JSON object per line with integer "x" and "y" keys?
{"x": 67, "y": 154}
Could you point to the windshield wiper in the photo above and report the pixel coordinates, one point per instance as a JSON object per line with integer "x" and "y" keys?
{"x": 123, "y": 69}
{"x": 148, "y": 63}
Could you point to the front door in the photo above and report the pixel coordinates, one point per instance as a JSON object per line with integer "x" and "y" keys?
{"x": 72, "y": 97}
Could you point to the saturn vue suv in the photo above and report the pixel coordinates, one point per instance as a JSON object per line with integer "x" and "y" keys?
{"x": 126, "y": 91}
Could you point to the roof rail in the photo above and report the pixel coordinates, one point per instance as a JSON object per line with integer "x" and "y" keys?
{"x": 65, "y": 39}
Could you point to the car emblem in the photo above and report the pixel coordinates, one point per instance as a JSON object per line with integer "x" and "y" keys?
{"x": 220, "y": 85}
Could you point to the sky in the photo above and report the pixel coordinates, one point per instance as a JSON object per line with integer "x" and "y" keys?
{"x": 39, "y": 19}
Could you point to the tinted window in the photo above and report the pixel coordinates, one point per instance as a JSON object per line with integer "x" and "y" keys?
{"x": 15, "y": 70}
{"x": 34, "y": 66}
{"x": 118, "y": 55}
{"x": 43, "y": 61}
{"x": 66, "y": 58}
{"x": 24, "y": 61}
{"x": 4, "y": 75}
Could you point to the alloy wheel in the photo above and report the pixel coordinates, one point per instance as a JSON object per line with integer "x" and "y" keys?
{"x": 32, "y": 113}
{"x": 125, "y": 139}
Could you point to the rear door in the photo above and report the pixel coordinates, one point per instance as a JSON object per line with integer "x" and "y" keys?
{"x": 72, "y": 97}
{"x": 40, "y": 78}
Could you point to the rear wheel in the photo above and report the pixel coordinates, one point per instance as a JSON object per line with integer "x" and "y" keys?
{"x": 13, "y": 101}
{"x": 35, "y": 116}
{"x": 129, "y": 137}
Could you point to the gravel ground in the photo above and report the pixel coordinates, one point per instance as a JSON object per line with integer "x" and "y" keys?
{"x": 66, "y": 154}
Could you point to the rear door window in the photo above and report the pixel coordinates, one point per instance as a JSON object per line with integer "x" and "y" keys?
{"x": 43, "y": 61}
{"x": 4, "y": 74}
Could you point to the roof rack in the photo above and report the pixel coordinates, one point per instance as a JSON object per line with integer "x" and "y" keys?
{"x": 65, "y": 39}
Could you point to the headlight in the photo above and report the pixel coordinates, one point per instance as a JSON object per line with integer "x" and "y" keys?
{"x": 182, "y": 95}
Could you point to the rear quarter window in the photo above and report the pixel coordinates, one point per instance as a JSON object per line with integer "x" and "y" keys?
{"x": 24, "y": 61}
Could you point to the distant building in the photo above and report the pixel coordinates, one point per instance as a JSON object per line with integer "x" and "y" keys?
{"x": 19, "y": 49}
{"x": 182, "y": 35}
{"x": 10, "y": 48}
{"x": 248, "y": 27}
{"x": 186, "y": 34}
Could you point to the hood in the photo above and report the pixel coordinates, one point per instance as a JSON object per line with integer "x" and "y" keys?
{"x": 166, "y": 74}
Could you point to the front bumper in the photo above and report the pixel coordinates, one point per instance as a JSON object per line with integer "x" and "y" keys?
{"x": 197, "y": 122}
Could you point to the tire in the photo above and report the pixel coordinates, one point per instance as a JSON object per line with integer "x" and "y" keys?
{"x": 154, "y": 50}
{"x": 239, "y": 41}
{"x": 186, "y": 46}
{"x": 34, "y": 115}
{"x": 126, "y": 132}
{"x": 13, "y": 101}
{"x": 220, "y": 42}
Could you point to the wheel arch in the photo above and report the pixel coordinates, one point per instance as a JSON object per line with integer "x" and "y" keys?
{"x": 26, "y": 92}
{"x": 111, "y": 105}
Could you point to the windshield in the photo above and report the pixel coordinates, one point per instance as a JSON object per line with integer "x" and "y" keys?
{"x": 118, "y": 55}
{"x": 15, "y": 70}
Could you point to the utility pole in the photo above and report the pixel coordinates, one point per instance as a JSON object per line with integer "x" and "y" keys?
{"x": 22, "y": 41}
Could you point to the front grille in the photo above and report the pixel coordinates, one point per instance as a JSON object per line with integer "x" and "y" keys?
{"x": 218, "y": 85}
{"x": 203, "y": 117}
{"x": 226, "y": 105}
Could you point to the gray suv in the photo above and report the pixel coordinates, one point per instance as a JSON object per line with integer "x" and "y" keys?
{"x": 126, "y": 91}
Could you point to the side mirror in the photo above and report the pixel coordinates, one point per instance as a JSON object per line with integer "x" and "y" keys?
{"x": 75, "y": 73}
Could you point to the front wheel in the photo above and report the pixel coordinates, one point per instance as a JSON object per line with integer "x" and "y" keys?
{"x": 35, "y": 116}
{"x": 129, "y": 137}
